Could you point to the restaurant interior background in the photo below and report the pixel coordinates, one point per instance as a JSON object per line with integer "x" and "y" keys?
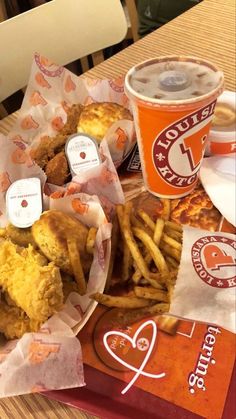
{"x": 139, "y": 19}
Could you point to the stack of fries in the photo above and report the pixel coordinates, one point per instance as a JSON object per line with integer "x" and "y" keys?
{"x": 151, "y": 253}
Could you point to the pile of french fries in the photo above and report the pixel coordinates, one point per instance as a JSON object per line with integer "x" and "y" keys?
{"x": 150, "y": 258}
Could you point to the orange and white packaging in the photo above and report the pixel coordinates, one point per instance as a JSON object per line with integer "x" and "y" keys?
{"x": 172, "y": 134}
{"x": 222, "y": 135}
{"x": 206, "y": 282}
{"x": 218, "y": 174}
{"x": 52, "y": 358}
{"x": 52, "y": 89}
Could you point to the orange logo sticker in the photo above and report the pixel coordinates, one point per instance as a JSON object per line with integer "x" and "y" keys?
{"x": 37, "y": 99}
{"x": 214, "y": 260}
{"x": 57, "y": 123}
{"x": 121, "y": 139}
{"x": 29, "y": 123}
{"x": 41, "y": 81}
{"x": 39, "y": 351}
{"x": 79, "y": 207}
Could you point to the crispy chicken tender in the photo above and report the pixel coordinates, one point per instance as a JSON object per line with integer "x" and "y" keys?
{"x": 32, "y": 284}
{"x": 96, "y": 119}
{"x": 57, "y": 169}
{"x": 14, "y": 322}
{"x": 196, "y": 209}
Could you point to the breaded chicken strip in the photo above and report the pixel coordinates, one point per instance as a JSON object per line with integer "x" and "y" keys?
{"x": 33, "y": 285}
{"x": 57, "y": 170}
{"x": 50, "y": 146}
{"x": 14, "y": 322}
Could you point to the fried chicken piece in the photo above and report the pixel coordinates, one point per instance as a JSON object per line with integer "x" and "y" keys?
{"x": 43, "y": 152}
{"x": 20, "y": 236}
{"x": 14, "y": 322}
{"x": 34, "y": 285}
{"x": 50, "y": 146}
{"x": 196, "y": 210}
{"x": 57, "y": 169}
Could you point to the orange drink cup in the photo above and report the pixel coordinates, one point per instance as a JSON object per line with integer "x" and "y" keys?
{"x": 173, "y": 100}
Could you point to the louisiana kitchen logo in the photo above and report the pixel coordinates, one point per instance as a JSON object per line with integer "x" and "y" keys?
{"x": 214, "y": 260}
{"x": 178, "y": 150}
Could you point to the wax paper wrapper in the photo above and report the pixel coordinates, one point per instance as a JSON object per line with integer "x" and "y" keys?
{"x": 205, "y": 286}
{"x": 52, "y": 358}
{"x": 52, "y": 89}
{"x": 218, "y": 178}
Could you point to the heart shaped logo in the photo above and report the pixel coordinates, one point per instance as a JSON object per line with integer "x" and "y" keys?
{"x": 137, "y": 342}
{"x": 82, "y": 155}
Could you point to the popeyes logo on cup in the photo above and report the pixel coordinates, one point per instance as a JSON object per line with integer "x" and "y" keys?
{"x": 214, "y": 260}
{"x": 178, "y": 150}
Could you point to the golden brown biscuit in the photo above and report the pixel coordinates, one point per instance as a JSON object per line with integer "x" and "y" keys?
{"x": 50, "y": 233}
{"x": 57, "y": 169}
{"x": 96, "y": 119}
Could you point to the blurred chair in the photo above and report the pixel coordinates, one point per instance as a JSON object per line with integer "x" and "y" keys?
{"x": 61, "y": 30}
{"x": 130, "y": 8}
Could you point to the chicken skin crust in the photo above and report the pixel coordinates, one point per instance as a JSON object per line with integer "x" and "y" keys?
{"x": 32, "y": 284}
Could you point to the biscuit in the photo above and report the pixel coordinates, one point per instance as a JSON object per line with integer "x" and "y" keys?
{"x": 96, "y": 119}
{"x": 50, "y": 233}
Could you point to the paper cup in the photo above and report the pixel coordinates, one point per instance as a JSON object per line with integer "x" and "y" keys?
{"x": 222, "y": 136}
{"x": 172, "y": 134}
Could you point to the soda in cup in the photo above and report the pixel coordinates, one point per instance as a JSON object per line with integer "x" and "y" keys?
{"x": 173, "y": 100}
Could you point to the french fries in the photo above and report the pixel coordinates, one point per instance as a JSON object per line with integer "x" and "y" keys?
{"x": 75, "y": 261}
{"x": 145, "y": 217}
{"x": 158, "y": 231}
{"x": 151, "y": 253}
{"x": 151, "y": 294}
{"x": 91, "y": 240}
{"x": 125, "y": 317}
{"x": 152, "y": 248}
{"x": 122, "y": 302}
{"x": 114, "y": 243}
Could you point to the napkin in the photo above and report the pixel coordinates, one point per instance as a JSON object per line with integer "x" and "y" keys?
{"x": 205, "y": 286}
{"x": 217, "y": 175}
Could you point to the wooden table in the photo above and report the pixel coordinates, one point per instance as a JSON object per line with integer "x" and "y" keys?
{"x": 207, "y": 31}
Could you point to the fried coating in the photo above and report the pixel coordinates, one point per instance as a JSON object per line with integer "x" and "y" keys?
{"x": 20, "y": 236}
{"x": 50, "y": 233}
{"x": 14, "y": 322}
{"x": 32, "y": 284}
{"x": 69, "y": 285}
{"x": 50, "y": 146}
{"x": 57, "y": 169}
{"x": 96, "y": 119}
{"x": 196, "y": 210}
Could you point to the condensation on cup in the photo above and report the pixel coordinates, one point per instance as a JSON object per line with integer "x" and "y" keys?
{"x": 173, "y": 100}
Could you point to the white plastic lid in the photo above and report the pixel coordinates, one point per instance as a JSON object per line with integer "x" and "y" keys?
{"x": 24, "y": 202}
{"x": 82, "y": 153}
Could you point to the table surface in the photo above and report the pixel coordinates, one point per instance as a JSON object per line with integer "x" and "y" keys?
{"x": 207, "y": 31}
